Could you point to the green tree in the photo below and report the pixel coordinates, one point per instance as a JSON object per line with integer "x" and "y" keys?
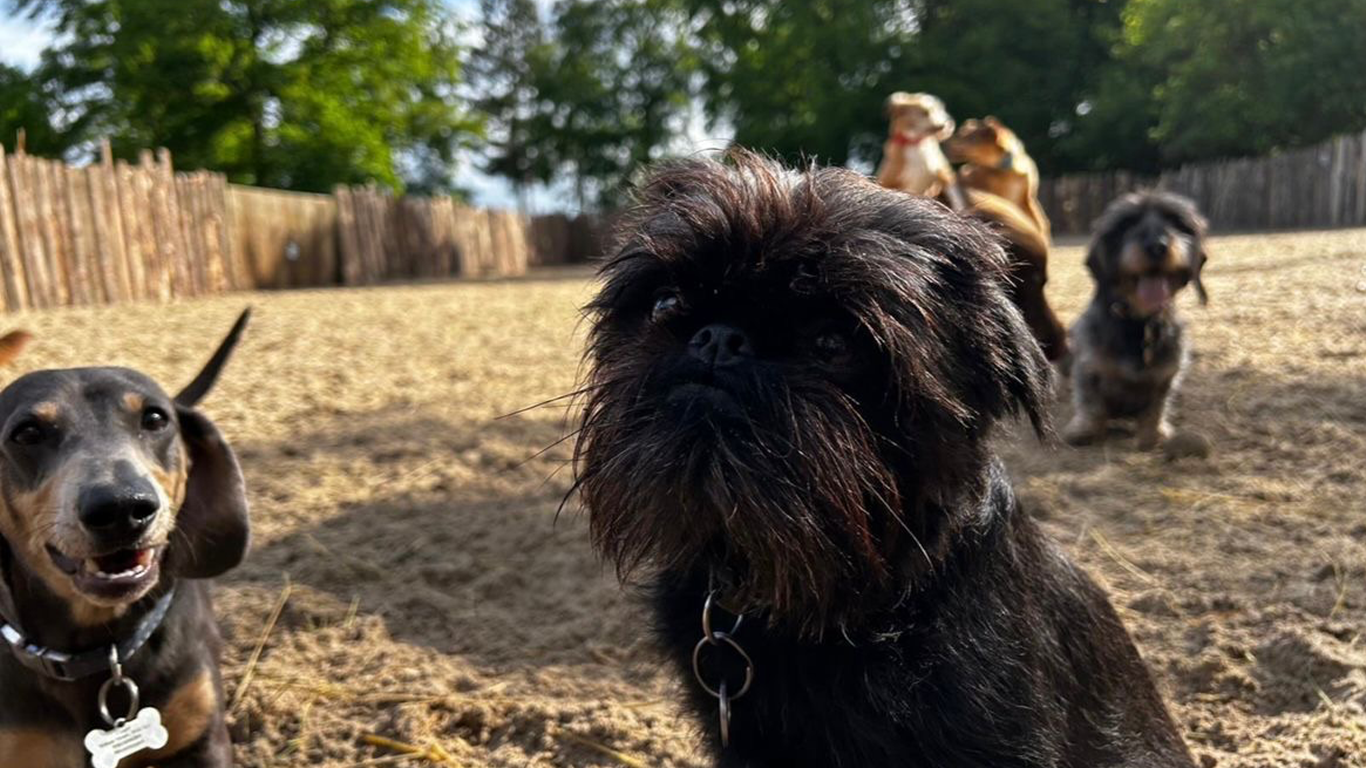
{"x": 802, "y": 79}
{"x": 612, "y": 93}
{"x": 505, "y": 71}
{"x": 24, "y": 107}
{"x": 1030, "y": 64}
{"x": 299, "y": 94}
{"x": 1243, "y": 77}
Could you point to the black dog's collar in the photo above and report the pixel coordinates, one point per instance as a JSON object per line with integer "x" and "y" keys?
{"x": 67, "y": 667}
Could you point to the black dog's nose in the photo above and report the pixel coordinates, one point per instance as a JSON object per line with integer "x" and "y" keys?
{"x": 720, "y": 345}
{"x": 117, "y": 510}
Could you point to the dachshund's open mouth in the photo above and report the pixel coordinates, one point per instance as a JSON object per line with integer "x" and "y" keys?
{"x": 1152, "y": 293}
{"x": 116, "y": 575}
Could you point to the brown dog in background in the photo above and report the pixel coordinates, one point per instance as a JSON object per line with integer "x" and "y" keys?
{"x": 911, "y": 158}
{"x": 1027, "y": 248}
{"x": 994, "y": 160}
{"x": 12, "y": 345}
{"x": 1001, "y": 184}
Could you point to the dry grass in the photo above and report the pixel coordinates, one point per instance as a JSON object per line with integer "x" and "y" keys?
{"x": 439, "y": 614}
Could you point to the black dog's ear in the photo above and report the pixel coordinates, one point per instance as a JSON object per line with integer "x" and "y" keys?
{"x": 212, "y": 529}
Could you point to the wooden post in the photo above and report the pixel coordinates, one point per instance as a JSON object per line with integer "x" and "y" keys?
{"x": 56, "y": 220}
{"x": 131, "y": 272}
{"x": 83, "y": 257}
{"x": 11, "y": 260}
{"x": 30, "y": 230}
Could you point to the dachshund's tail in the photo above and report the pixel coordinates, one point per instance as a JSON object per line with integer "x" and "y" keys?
{"x": 12, "y": 344}
{"x": 204, "y": 381}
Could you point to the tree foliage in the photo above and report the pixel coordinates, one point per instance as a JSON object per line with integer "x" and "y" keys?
{"x": 1243, "y": 77}
{"x": 309, "y": 93}
{"x": 614, "y": 92}
{"x": 25, "y": 108}
{"x": 299, "y": 94}
{"x": 802, "y": 79}
{"x": 506, "y": 71}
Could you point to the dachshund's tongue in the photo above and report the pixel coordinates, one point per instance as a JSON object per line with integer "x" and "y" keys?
{"x": 1153, "y": 293}
{"x": 125, "y": 561}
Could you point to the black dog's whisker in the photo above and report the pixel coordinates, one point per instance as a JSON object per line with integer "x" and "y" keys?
{"x": 542, "y": 451}
{"x": 566, "y": 396}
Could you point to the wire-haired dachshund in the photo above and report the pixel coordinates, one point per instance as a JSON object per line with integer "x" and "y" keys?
{"x": 1130, "y": 346}
{"x": 116, "y": 502}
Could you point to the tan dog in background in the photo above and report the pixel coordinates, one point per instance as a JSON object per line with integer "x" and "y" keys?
{"x": 994, "y": 160}
{"x": 911, "y": 158}
{"x": 12, "y": 345}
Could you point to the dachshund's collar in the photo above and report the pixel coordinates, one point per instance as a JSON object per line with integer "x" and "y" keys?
{"x": 1007, "y": 162}
{"x": 67, "y": 667}
{"x": 907, "y": 140}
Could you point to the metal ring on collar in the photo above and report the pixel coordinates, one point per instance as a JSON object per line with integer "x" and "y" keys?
{"x": 103, "y": 700}
{"x": 723, "y": 709}
{"x": 707, "y": 632}
{"x": 716, "y": 639}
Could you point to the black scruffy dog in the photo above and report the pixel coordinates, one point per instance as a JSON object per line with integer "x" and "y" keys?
{"x": 1129, "y": 344}
{"x": 794, "y": 377}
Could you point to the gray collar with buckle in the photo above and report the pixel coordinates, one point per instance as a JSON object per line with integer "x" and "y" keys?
{"x": 67, "y": 667}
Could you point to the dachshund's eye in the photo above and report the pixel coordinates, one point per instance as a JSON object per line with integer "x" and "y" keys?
{"x": 666, "y": 306}
{"x": 28, "y": 433}
{"x": 155, "y": 420}
{"x": 832, "y": 344}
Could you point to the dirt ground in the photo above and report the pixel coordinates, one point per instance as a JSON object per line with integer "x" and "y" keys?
{"x": 435, "y": 598}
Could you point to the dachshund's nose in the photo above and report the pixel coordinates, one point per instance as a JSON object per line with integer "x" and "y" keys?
{"x": 1158, "y": 247}
{"x": 118, "y": 511}
{"x": 720, "y": 345}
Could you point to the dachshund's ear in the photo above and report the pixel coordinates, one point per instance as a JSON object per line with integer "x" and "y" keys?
{"x": 1097, "y": 259}
{"x": 1200, "y": 258}
{"x": 212, "y": 529}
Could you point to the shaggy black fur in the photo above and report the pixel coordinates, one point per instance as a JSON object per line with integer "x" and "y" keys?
{"x": 793, "y": 381}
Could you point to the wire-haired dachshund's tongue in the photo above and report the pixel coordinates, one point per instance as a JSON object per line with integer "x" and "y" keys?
{"x": 1153, "y": 293}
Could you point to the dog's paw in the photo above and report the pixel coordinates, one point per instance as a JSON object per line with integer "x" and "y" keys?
{"x": 1183, "y": 445}
{"x": 1152, "y": 437}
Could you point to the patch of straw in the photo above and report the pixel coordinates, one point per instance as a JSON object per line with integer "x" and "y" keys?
{"x": 620, "y": 757}
{"x": 432, "y": 753}
{"x": 250, "y": 672}
{"x": 1123, "y": 561}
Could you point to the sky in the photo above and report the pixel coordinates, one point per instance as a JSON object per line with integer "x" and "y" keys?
{"x": 23, "y": 40}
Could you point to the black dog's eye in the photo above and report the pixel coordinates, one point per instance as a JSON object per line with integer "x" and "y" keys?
{"x": 832, "y": 344}
{"x": 28, "y": 433}
{"x": 666, "y": 305}
{"x": 155, "y": 420}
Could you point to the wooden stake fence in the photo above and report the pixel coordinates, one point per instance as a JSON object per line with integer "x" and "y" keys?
{"x": 1314, "y": 187}
{"x": 114, "y": 231}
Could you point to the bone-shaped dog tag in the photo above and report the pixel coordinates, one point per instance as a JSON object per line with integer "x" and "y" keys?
{"x": 145, "y": 731}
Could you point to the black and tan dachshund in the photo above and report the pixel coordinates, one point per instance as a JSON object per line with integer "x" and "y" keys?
{"x": 118, "y": 501}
